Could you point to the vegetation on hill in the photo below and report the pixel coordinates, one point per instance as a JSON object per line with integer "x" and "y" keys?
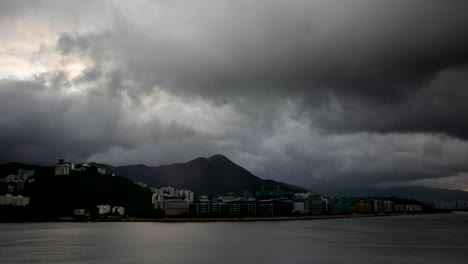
{"x": 53, "y": 196}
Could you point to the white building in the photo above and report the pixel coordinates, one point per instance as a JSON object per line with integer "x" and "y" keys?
{"x": 299, "y": 206}
{"x": 104, "y": 209}
{"x": 118, "y": 210}
{"x": 379, "y": 206}
{"x": 12, "y": 178}
{"x": 64, "y": 168}
{"x": 388, "y": 206}
{"x": 172, "y": 201}
{"x": 19, "y": 200}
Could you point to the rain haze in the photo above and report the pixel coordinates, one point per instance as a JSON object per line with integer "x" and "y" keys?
{"x": 313, "y": 93}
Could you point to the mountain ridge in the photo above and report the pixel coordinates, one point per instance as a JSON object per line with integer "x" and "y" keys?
{"x": 216, "y": 175}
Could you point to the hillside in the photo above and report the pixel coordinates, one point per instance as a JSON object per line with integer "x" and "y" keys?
{"x": 212, "y": 176}
{"x": 55, "y": 196}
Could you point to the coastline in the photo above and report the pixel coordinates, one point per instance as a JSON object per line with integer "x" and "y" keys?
{"x": 224, "y": 219}
{"x": 243, "y": 219}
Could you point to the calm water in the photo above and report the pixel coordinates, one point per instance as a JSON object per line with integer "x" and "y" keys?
{"x": 405, "y": 239}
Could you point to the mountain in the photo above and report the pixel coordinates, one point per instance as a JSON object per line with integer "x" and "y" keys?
{"x": 212, "y": 176}
{"x": 12, "y": 168}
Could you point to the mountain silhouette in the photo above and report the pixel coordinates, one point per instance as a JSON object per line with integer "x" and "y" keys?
{"x": 212, "y": 176}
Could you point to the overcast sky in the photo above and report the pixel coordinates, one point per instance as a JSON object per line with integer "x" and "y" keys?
{"x": 316, "y": 93}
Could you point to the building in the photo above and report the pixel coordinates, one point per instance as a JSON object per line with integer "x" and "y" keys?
{"x": 79, "y": 212}
{"x": 299, "y": 206}
{"x": 243, "y": 207}
{"x": 344, "y": 205}
{"x": 171, "y": 191}
{"x": 6, "y": 199}
{"x": 274, "y": 207}
{"x": 104, "y": 209}
{"x": 400, "y": 208}
{"x": 11, "y": 178}
{"x": 119, "y": 210}
{"x": 362, "y": 208}
{"x": 173, "y": 207}
{"x": 25, "y": 174}
{"x": 315, "y": 205}
{"x": 413, "y": 208}
{"x": 388, "y": 206}
{"x": 379, "y": 206}
{"x": 174, "y": 201}
{"x": 219, "y": 208}
{"x": 202, "y": 206}
{"x": 18, "y": 200}
{"x": 20, "y": 185}
{"x": 63, "y": 168}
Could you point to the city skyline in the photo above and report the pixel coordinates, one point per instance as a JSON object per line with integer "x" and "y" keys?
{"x": 314, "y": 93}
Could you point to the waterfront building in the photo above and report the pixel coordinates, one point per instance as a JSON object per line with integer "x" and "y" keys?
{"x": 18, "y": 200}
{"x": 219, "y": 207}
{"x": 363, "y": 208}
{"x": 104, "y": 209}
{"x": 173, "y": 201}
{"x": 173, "y": 207}
{"x": 388, "y": 206}
{"x": 413, "y": 208}
{"x": 299, "y": 206}
{"x": 315, "y": 205}
{"x": 79, "y": 212}
{"x": 119, "y": 210}
{"x": 274, "y": 207}
{"x": 400, "y": 208}
{"x": 202, "y": 206}
{"x": 343, "y": 205}
{"x": 379, "y": 206}
{"x": 243, "y": 207}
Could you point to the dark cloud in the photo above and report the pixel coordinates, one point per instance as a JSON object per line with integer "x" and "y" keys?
{"x": 325, "y": 92}
{"x": 372, "y": 57}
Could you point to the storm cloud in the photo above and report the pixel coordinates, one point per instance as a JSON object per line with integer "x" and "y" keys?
{"x": 309, "y": 92}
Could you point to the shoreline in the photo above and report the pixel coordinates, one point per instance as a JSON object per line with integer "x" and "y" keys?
{"x": 237, "y": 219}
{"x": 226, "y": 219}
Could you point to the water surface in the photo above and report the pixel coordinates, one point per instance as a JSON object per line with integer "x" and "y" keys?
{"x": 404, "y": 239}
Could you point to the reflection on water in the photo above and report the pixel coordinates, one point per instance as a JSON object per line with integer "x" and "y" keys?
{"x": 404, "y": 239}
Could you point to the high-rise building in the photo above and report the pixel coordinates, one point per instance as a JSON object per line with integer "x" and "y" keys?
{"x": 379, "y": 206}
